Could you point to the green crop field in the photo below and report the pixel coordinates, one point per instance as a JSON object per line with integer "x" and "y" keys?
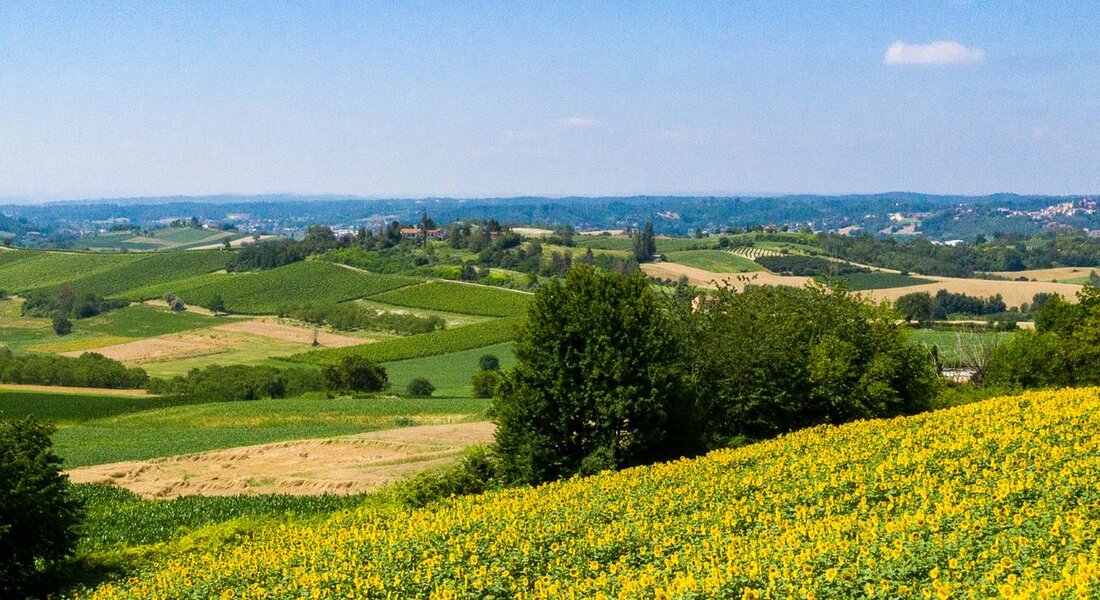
{"x": 150, "y": 269}
{"x": 141, "y": 321}
{"x": 603, "y": 242}
{"x": 449, "y": 373}
{"x": 444, "y": 341}
{"x": 264, "y": 292}
{"x": 174, "y": 286}
{"x": 200, "y": 427}
{"x": 66, "y": 409}
{"x": 879, "y": 280}
{"x": 455, "y": 297}
{"x": 715, "y": 261}
{"x": 43, "y": 269}
{"x": 117, "y": 517}
{"x": 955, "y": 346}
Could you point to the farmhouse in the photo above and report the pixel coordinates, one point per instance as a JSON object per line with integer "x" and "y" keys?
{"x": 413, "y": 233}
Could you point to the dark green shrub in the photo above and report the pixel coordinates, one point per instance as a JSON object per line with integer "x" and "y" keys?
{"x": 62, "y": 325}
{"x": 38, "y": 516}
{"x": 489, "y": 362}
{"x": 420, "y": 388}
{"x": 485, "y": 383}
{"x": 474, "y": 474}
{"x": 353, "y": 374}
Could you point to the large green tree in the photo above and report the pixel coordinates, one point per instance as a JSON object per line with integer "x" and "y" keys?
{"x": 597, "y": 383}
{"x": 774, "y": 359}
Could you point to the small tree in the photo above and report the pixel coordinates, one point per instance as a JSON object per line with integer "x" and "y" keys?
{"x": 62, "y": 325}
{"x": 177, "y": 305}
{"x": 216, "y": 305}
{"x": 354, "y": 373}
{"x": 484, "y": 383}
{"x": 420, "y": 388}
{"x": 225, "y": 243}
{"x": 38, "y": 516}
{"x": 489, "y": 362}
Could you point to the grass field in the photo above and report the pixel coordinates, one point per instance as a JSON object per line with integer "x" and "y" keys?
{"x": 715, "y": 261}
{"x": 449, "y": 373}
{"x": 455, "y": 297}
{"x": 139, "y": 321}
{"x": 199, "y": 427}
{"x": 992, "y": 499}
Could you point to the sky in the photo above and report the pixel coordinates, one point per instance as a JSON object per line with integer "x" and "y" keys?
{"x": 411, "y": 99}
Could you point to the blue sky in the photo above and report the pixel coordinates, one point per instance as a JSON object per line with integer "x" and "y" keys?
{"x": 593, "y": 98}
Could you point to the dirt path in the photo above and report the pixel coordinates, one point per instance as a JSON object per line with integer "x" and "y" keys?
{"x": 63, "y": 389}
{"x": 342, "y": 465}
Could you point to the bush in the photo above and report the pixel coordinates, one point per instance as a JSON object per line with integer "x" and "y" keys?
{"x": 62, "y": 325}
{"x": 89, "y": 370}
{"x": 489, "y": 362}
{"x": 485, "y": 383}
{"x": 474, "y": 474}
{"x": 38, "y": 515}
{"x": 353, "y": 374}
{"x": 218, "y": 383}
{"x": 420, "y": 388}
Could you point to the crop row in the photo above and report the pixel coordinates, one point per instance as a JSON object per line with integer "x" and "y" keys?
{"x": 443, "y": 341}
{"x": 753, "y": 252}
{"x": 461, "y": 298}
{"x": 150, "y": 269}
{"x": 37, "y": 269}
{"x": 994, "y": 499}
{"x": 265, "y": 292}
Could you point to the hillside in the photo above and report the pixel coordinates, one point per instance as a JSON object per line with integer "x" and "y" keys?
{"x": 997, "y": 498}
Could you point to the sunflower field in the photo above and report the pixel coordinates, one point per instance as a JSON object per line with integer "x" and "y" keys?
{"x": 995, "y": 499}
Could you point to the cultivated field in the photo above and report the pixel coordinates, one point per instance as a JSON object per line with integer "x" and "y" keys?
{"x": 992, "y": 499}
{"x": 340, "y": 465}
{"x": 1058, "y": 274}
{"x": 1013, "y": 292}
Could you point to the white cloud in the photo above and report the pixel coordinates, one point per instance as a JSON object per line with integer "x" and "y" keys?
{"x": 933, "y": 53}
{"x": 578, "y": 122}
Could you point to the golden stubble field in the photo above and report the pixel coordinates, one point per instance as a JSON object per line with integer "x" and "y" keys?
{"x": 340, "y": 465}
{"x": 1013, "y": 292}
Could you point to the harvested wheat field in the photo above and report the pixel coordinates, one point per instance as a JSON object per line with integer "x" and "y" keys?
{"x": 1013, "y": 292}
{"x": 273, "y": 329}
{"x": 198, "y": 310}
{"x": 1054, "y": 274}
{"x": 65, "y": 389}
{"x": 343, "y": 465}
{"x": 165, "y": 347}
{"x": 707, "y": 279}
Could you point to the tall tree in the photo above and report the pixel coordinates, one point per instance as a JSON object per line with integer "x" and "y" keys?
{"x": 426, "y": 225}
{"x": 597, "y": 382}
